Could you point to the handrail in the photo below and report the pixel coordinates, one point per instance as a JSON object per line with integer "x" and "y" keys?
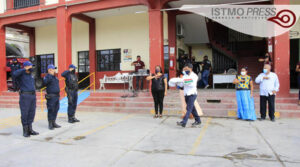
{"x": 93, "y": 84}
{"x": 63, "y": 89}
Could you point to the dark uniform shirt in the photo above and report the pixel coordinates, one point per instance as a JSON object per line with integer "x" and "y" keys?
{"x": 71, "y": 79}
{"x": 206, "y": 65}
{"x": 26, "y": 80}
{"x": 14, "y": 67}
{"x": 52, "y": 84}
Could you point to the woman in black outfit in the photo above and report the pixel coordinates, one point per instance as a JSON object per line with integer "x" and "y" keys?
{"x": 158, "y": 89}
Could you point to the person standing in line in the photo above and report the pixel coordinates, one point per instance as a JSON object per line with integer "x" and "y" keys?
{"x": 139, "y": 64}
{"x": 27, "y": 99}
{"x": 269, "y": 86}
{"x": 244, "y": 96}
{"x": 159, "y": 89}
{"x": 189, "y": 84}
{"x": 298, "y": 70}
{"x": 52, "y": 96}
{"x": 72, "y": 94}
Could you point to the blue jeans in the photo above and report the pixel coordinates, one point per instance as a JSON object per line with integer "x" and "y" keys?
{"x": 27, "y": 105}
{"x": 138, "y": 79}
{"x": 204, "y": 78}
{"x": 190, "y": 108}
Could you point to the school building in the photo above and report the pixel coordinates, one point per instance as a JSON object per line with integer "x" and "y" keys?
{"x": 104, "y": 37}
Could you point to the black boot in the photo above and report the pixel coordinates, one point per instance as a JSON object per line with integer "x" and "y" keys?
{"x": 55, "y": 125}
{"x": 71, "y": 120}
{"x": 51, "y": 127}
{"x": 75, "y": 119}
{"x": 26, "y": 131}
{"x": 32, "y": 132}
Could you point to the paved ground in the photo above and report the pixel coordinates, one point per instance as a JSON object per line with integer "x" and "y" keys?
{"x": 115, "y": 139}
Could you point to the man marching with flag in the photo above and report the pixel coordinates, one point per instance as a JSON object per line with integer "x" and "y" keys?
{"x": 189, "y": 84}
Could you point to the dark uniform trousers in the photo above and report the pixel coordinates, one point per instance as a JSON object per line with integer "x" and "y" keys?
{"x": 53, "y": 107}
{"x": 72, "y": 101}
{"x": 27, "y": 105}
{"x": 190, "y": 108}
{"x": 263, "y": 106}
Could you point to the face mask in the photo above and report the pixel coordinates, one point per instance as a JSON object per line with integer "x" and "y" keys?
{"x": 157, "y": 71}
{"x": 185, "y": 72}
{"x": 243, "y": 73}
{"x": 73, "y": 71}
{"x": 265, "y": 71}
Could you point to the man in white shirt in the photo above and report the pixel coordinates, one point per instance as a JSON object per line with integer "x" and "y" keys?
{"x": 269, "y": 86}
{"x": 189, "y": 84}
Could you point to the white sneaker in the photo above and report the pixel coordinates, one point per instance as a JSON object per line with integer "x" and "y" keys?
{"x": 206, "y": 86}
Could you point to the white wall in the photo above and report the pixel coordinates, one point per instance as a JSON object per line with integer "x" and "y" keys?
{"x": 49, "y": 2}
{"x": 2, "y": 6}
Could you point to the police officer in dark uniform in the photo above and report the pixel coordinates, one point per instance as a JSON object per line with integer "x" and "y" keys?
{"x": 71, "y": 89}
{"x": 14, "y": 66}
{"x": 27, "y": 98}
{"x": 52, "y": 96}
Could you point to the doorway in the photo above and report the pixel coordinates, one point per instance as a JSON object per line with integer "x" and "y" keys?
{"x": 83, "y": 68}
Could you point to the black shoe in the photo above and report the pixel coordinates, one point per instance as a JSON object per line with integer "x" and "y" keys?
{"x": 32, "y": 132}
{"x": 55, "y": 125}
{"x": 181, "y": 124}
{"x": 75, "y": 119}
{"x": 71, "y": 120}
{"x": 273, "y": 120}
{"x": 51, "y": 127}
{"x": 26, "y": 131}
{"x": 196, "y": 123}
{"x": 262, "y": 119}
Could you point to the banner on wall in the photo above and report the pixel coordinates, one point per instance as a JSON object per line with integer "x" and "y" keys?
{"x": 127, "y": 55}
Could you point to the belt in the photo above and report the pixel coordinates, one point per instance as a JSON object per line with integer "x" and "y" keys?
{"x": 191, "y": 95}
{"x": 27, "y": 92}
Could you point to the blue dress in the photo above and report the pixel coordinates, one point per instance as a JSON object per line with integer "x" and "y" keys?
{"x": 245, "y": 103}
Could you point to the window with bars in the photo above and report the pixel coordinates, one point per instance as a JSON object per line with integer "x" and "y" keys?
{"x": 18, "y": 4}
{"x": 83, "y": 62}
{"x": 108, "y": 60}
{"x": 46, "y": 59}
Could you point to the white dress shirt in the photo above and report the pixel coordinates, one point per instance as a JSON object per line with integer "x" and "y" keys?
{"x": 267, "y": 86}
{"x": 189, "y": 84}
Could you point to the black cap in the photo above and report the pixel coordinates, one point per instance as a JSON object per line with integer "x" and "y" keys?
{"x": 189, "y": 65}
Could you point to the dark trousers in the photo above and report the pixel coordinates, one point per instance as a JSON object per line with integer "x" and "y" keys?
{"x": 263, "y": 106}
{"x": 27, "y": 105}
{"x": 204, "y": 78}
{"x": 53, "y": 107}
{"x": 190, "y": 108}
{"x": 72, "y": 102}
{"x": 299, "y": 85}
{"x": 158, "y": 97}
{"x": 138, "y": 79}
{"x": 14, "y": 84}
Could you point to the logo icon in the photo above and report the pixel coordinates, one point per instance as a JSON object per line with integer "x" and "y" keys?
{"x": 284, "y": 18}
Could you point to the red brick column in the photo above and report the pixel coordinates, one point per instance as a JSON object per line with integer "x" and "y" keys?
{"x": 64, "y": 40}
{"x": 281, "y": 53}
{"x": 172, "y": 43}
{"x": 92, "y": 49}
{"x": 156, "y": 39}
{"x": 3, "y": 82}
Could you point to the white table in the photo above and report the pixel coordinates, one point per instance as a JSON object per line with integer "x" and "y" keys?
{"x": 222, "y": 78}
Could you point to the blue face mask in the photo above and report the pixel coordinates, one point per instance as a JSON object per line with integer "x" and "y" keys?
{"x": 186, "y": 72}
{"x": 265, "y": 71}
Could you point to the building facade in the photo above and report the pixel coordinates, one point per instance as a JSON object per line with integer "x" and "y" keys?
{"x": 105, "y": 36}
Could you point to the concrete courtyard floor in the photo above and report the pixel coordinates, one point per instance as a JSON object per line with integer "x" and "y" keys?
{"x": 118, "y": 139}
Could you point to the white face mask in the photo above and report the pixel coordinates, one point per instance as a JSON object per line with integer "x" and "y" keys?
{"x": 243, "y": 73}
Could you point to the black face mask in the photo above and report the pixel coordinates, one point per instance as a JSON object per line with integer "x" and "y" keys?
{"x": 157, "y": 71}
{"x": 73, "y": 71}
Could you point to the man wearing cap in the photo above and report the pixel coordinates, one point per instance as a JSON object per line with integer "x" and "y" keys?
{"x": 14, "y": 66}
{"x": 27, "y": 98}
{"x": 52, "y": 96}
{"x": 71, "y": 89}
{"x": 189, "y": 84}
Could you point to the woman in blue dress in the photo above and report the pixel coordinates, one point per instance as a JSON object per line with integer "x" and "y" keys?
{"x": 244, "y": 96}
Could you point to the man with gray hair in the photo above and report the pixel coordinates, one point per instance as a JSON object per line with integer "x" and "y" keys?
{"x": 269, "y": 86}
